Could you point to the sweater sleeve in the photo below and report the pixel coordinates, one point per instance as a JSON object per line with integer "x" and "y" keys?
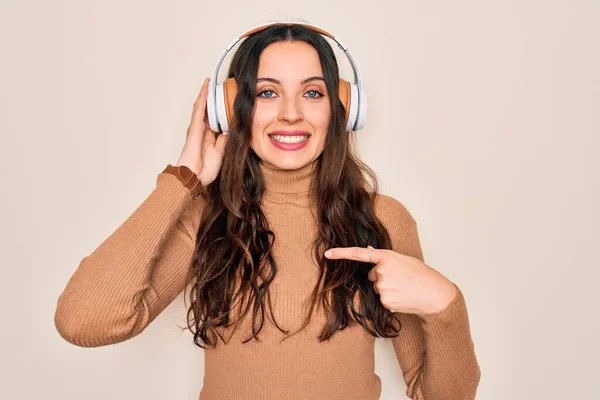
{"x": 435, "y": 351}
{"x": 136, "y": 272}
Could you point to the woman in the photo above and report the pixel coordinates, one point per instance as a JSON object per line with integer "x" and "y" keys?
{"x": 245, "y": 220}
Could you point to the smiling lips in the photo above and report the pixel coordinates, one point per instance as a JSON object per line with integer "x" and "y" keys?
{"x": 289, "y": 140}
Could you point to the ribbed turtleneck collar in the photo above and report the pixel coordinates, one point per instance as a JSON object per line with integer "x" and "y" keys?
{"x": 288, "y": 191}
{"x": 288, "y": 181}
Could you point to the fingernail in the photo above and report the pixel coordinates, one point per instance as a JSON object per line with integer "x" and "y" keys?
{"x": 328, "y": 253}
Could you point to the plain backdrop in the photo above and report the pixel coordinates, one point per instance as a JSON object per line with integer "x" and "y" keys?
{"x": 484, "y": 118}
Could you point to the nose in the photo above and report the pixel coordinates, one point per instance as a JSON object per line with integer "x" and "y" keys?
{"x": 290, "y": 111}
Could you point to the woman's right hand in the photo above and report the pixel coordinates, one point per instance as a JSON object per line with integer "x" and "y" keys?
{"x": 203, "y": 151}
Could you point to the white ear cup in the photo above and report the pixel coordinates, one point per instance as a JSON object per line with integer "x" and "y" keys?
{"x": 362, "y": 112}
{"x": 221, "y": 110}
{"x": 211, "y": 109}
{"x": 353, "y": 107}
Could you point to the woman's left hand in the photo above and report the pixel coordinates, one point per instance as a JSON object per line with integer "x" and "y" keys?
{"x": 404, "y": 284}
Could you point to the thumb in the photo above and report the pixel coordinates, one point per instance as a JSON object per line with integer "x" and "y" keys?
{"x": 222, "y": 140}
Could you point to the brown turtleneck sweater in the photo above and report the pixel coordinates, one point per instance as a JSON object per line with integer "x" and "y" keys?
{"x": 120, "y": 288}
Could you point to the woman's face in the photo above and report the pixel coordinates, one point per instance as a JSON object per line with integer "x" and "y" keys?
{"x": 291, "y": 96}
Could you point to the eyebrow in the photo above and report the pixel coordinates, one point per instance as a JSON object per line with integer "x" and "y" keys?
{"x": 273, "y": 80}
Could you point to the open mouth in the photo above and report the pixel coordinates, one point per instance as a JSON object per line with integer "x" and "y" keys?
{"x": 289, "y": 138}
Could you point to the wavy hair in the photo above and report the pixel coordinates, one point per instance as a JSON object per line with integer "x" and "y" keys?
{"x": 233, "y": 261}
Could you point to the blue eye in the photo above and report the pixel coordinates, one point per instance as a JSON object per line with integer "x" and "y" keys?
{"x": 316, "y": 96}
{"x": 264, "y": 91}
{"x": 314, "y": 91}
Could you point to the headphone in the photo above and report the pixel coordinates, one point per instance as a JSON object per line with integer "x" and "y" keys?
{"x": 222, "y": 95}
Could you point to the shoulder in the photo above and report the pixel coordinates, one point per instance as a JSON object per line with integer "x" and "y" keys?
{"x": 400, "y": 224}
{"x": 392, "y": 212}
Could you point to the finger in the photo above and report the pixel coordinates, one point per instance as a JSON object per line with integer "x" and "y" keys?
{"x": 372, "y": 275}
{"x": 221, "y": 142}
{"x": 375, "y": 289}
{"x": 354, "y": 253}
{"x": 199, "y": 109}
{"x": 208, "y": 139}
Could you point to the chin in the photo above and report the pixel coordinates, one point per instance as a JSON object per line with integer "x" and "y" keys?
{"x": 288, "y": 163}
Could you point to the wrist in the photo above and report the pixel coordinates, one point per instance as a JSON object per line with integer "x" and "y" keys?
{"x": 443, "y": 299}
{"x": 186, "y": 176}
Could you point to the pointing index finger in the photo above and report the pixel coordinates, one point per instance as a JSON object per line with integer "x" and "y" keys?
{"x": 354, "y": 253}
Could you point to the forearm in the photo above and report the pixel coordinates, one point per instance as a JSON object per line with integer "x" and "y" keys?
{"x": 450, "y": 368}
{"x": 114, "y": 292}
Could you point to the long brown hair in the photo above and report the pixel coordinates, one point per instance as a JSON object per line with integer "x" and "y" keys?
{"x": 233, "y": 260}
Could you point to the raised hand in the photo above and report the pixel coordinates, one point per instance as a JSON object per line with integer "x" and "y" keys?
{"x": 203, "y": 149}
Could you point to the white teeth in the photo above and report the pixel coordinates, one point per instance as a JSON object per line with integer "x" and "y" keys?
{"x": 289, "y": 139}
